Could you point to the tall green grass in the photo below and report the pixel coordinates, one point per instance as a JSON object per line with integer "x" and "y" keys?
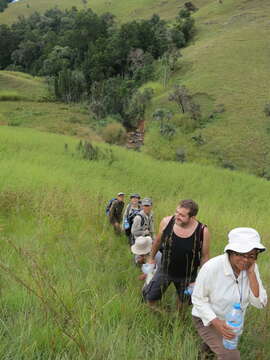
{"x": 69, "y": 288}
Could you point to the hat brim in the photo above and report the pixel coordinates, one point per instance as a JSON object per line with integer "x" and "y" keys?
{"x": 244, "y": 247}
{"x": 136, "y": 251}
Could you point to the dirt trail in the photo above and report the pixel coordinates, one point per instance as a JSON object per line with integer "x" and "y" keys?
{"x": 135, "y": 139}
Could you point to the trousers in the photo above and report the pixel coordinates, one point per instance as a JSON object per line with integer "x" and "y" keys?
{"x": 213, "y": 339}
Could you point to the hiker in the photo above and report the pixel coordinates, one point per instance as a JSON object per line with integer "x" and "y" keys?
{"x": 185, "y": 244}
{"x": 143, "y": 223}
{"x": 223, "y": 281}
{"x": 115, "y": 212}
{"x": 130, "y": 212}
{"x": 141, "y": 249}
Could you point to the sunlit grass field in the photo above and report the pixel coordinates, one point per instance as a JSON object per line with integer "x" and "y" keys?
{"x": 69, "y": 288}
{"x": 25, "y": 101}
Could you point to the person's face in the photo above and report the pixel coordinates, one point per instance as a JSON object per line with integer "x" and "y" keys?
{"x": 134, "y": 201}
{"x": 147, "y": 209}
{"x": 182, "y": 216}
{"x": 242, "y": 261}
{"x": 121, "y": 197}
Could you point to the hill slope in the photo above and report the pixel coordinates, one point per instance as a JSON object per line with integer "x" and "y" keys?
{"x": 225, "y": 67}
{"x": 25, "y": 101}
{"x": 69, "y": 287}
{"x": 227, "y": 64}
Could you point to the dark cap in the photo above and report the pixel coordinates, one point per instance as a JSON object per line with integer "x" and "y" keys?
{"x": 137, "y": 196}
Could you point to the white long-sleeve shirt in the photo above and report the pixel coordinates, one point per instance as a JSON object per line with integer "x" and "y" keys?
{"x": 216, "y": 290}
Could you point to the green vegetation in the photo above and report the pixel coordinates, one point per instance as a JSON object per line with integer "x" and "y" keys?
{"x": 225, "y": 71}
{"x": 25, "y": 101}
{"x": 69, "y": 289}
{"x": 87, "y": 57}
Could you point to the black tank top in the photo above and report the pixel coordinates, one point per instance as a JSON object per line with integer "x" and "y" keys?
{"x": 181, "y": 256}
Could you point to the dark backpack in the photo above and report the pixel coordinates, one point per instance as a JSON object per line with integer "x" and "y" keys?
{"x": 109, "y": 205}
{"x": 130, "y": 218}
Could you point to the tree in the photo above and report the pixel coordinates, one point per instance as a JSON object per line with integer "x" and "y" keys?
{"x": 26, "y": 55}
{"x": 8, "y": 43}
{"x": 135, "y": 110}
{"x": 60, "y": 58}
{"x": 69, "y": 86}
{"x": 184, "y": 101}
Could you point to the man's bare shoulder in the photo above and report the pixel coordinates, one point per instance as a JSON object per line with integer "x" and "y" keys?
{"x": 165, "y": 221}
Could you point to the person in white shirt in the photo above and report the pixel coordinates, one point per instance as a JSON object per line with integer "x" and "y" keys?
{"x": 224, "y": 280}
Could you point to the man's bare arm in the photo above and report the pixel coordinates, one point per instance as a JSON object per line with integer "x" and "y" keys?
{"x": 157, "y": 242}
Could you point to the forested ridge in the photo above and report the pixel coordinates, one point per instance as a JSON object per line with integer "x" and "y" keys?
{"x": 90, "y": 56}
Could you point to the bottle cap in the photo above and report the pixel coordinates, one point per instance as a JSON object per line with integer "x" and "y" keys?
{"x": 237, "y": 306}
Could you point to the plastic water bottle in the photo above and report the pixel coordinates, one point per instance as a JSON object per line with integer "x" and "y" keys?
{"x": 234, "y": 319}
{"x": 126, "y": 224}
{"x": 189, "y": 290}
{"x": 148, "y": 268}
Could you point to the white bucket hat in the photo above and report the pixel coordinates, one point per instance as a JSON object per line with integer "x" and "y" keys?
{"x": 142, "y": 246}
{"x": 243, "y": 240}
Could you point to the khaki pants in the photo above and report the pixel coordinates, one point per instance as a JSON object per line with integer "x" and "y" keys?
{"x": 213, "y": 339}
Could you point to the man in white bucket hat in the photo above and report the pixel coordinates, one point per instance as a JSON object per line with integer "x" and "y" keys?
{"x": 141, "y": 249}
{"x": 224, "y": 280}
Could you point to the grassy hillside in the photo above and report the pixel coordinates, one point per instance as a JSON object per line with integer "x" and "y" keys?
{"x": 227, "y": 64}
{"x": 225, "y": 67}
{"x": 25, "y": 101}
{"x": 69, "y": 289}
{"x": 125, "y": 10}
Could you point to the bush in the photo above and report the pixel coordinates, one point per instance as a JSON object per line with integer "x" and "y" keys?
{"x": 180, "y": 155}
{"x": 267, "y": 109}
{"x": 114, "y": 133}
{"x": 10, "y": 96}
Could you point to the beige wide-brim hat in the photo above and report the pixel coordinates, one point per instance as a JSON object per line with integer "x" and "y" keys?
{"x": 243, "y": 240}
{"x": 142, "y": 246}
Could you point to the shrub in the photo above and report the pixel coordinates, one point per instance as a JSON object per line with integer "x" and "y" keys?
{"x": 267, "y": 109}
{"x": 10, "y": 96}
{"x": 180, "y": 155}
{"x": 114, "y": 133}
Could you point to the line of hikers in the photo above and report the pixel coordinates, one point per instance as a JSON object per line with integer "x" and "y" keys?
{"x": 181, "y": 247}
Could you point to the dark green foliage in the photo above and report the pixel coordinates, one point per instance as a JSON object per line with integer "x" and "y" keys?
{"x": 184, "y": 101}
{"x": 110, "y": 97}
{"x": 185, "y": 24}
{"x": 86, "y": 55}
{"x": 180, "y": 155}
{"x": 190, "y": 6}
{"x": 163, "y": 116}
{"x": 267, "y": 109}
{"x": 198, "y": 139}
{"x": 69, "y": 86}
{"x": 4, "y": 4}
{"x": 135, "y": 109}
{"x": 167, "y": 130}
{"x": 8, "y": 43}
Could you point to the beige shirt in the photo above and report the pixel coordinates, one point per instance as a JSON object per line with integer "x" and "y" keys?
{"x": 216, "y": 290}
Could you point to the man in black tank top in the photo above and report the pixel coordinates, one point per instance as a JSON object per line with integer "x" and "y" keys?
{"x": 185, "y": 243}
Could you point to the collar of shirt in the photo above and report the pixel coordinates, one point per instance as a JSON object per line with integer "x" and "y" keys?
{"x": 228, "y": 270}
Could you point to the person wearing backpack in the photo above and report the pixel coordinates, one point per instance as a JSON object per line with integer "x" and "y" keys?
{"x": 132, "y": 209}
{"x": 143, "y": 223}
{"x": 114, "y": 210}
{"x": 185, "y": 244}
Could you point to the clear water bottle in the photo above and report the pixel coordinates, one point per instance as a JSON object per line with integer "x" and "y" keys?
{"x": 126, "y": 224}
{"x": 234, "y": 319}
{"x": 189, "y": 290}
{"x": 148, "y": 268}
